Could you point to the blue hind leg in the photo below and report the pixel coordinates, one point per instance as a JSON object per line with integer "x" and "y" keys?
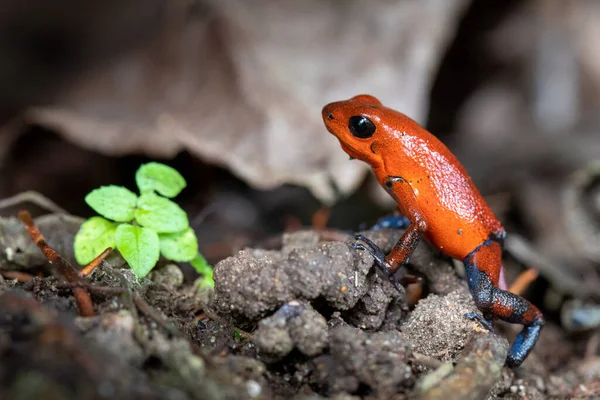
{"x": 392, "y": 221}
{"x": 483, "y": 267}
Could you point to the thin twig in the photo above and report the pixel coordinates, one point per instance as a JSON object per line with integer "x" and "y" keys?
{"x": 88, "y": 269}
{"x": 82, "y": 297}
{"x": 18, "y": 275}
{"x": 523, "y": 281}
{"x": 557, "y": 275}
{"x": 153, "y": 314}
{"x": 105, "y": 290}
{"x": 320, "y": 218}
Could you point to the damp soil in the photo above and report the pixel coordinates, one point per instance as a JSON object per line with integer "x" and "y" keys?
{"x": 310, "y": 319}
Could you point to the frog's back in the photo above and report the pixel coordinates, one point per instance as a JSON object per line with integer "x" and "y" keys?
{"x": 457, "y": 216}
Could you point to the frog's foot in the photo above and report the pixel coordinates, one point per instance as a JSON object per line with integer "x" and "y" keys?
{"x": 381, "y": 263}
{"x": 486, "y": 323}
{"x": 370, "y": 247}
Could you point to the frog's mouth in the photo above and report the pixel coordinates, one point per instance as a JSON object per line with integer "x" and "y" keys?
{"x": 353, "y": 153}
{"x": 350, "y": 151}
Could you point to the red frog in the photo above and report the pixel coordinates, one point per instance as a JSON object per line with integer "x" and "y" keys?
{"x": 441, "y": 203}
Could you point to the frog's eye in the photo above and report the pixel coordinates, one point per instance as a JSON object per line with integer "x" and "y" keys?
{"x": 361, "y": 127}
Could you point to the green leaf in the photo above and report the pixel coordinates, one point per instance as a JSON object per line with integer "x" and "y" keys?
{"x": 160, "y": 214}
{"x": 139, "y": 247}
{"x": 180, "y": 246}
{"x": 113, "y": 202}
{"x": 201, "y": 266}
{"x": 161, "y": 178}
{"x": 95, "y": 235}
{"x": 237, "y": 334}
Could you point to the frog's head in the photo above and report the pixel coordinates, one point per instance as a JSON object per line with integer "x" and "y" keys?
{"x": 359, "y": 124}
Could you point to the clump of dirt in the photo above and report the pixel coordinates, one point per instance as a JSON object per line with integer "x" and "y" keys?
{"x": 312, "y": 320}
{"x": 377, "y": 346}
{"x": 255, "y": 282}
{"x": 441, "y": 335}
{"x": 294, "y": 325}
{"x": 370, "y": 361}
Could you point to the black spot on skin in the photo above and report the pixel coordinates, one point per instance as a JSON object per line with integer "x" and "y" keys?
{"x": 372, "y": 147}
{"x": 460, "y": 231}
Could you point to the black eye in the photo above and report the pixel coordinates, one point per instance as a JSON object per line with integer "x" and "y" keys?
{"x": 361, "y": 127}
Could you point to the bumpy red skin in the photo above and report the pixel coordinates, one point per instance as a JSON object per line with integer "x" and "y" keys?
{"x": 443, "y": 205}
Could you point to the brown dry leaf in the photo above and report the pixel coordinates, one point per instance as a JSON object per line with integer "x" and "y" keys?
{"x": 241, "y": 84}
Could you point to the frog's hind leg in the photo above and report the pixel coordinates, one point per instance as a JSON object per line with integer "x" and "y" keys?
{"x": 483, "y": 267}
{"x": 391, "y": 221}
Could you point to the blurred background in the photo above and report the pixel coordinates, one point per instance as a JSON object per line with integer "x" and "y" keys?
{"x": 230, "y": 93}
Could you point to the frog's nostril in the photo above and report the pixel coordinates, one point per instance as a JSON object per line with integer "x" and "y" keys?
{"x": 329, "y": 116}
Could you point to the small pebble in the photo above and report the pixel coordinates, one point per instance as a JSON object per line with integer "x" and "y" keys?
{"x": 254, "y": 388}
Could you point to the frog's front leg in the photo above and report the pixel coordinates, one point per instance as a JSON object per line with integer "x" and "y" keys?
{"x": 483, "y": 267}
{"x": 401, "y": 252}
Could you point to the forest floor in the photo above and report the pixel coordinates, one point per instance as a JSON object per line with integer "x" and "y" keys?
{"x": 309, "y": 318}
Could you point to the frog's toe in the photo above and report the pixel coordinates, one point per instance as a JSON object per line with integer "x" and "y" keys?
{"x": 367, "y": 245}
{"x": 473, "y": 316}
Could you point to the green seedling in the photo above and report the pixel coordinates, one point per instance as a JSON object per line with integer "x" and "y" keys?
{"x": 141, "y": 227}
{"x": 237, "y": 334}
